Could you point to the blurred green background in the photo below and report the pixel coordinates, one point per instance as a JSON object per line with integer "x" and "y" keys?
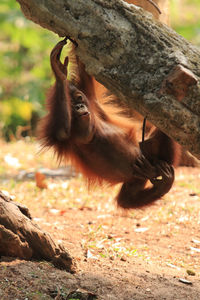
{"x": 25, "y": 73}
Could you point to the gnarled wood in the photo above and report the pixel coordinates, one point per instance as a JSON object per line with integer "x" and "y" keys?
{"x": 21, "y": 237}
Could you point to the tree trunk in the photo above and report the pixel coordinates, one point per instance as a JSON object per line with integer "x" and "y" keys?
{"x": 149, "y": 66}
{"x": 20, "y": 237}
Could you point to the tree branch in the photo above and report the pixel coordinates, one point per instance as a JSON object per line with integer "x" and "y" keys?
{"x": 148, "y": 65}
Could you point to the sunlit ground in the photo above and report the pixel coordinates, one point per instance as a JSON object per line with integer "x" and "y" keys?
{"x": 163, "y": 239}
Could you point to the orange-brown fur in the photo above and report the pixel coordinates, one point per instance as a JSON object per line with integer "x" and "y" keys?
{"x": 100, "y": 142}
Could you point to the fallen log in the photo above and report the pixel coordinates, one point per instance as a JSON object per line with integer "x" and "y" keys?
{"x": 20, "y": 237}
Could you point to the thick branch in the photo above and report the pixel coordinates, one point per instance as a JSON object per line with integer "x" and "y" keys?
{"x": 147, "y": 64}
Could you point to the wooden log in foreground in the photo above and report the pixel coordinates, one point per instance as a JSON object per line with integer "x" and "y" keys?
{"x": 21, "y": 237}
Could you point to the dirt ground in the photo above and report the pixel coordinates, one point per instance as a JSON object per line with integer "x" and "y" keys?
{"x": 153, "y": 253}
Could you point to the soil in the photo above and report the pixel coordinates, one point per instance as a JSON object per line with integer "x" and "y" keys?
{"x": 151, "y": 253}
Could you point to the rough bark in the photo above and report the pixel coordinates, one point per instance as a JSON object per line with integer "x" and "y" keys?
{"x": 20, "y": 237}
{"x": 148, "y": 65}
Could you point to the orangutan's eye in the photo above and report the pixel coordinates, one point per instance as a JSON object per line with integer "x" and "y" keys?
{"x": 79, "y": 98}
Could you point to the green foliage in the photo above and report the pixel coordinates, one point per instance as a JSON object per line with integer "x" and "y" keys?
{"x": 185, "y": 19}
{"x": 25, "y": 73}
{"x": 14, "y": 112}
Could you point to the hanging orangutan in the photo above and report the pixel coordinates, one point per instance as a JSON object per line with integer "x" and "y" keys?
{"x": 101, "y": 143}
